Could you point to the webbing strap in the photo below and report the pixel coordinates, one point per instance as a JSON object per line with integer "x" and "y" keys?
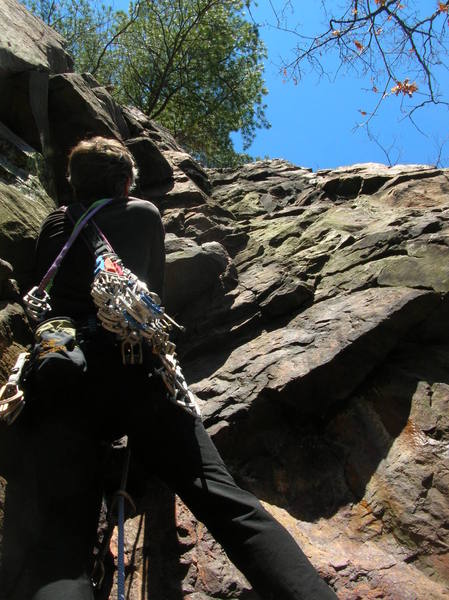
{"x": 95, "y": 239}
{"x": 47, "y": 280}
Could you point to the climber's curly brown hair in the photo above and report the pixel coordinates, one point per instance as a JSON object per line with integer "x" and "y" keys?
{"x": 100, "y": 168}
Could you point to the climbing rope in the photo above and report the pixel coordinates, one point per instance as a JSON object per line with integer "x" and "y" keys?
{"x": 121, "y": 495}
{"x": 115, "y": 517}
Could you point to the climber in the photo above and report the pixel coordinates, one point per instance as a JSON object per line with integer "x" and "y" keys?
{"x": 64, "y": 430}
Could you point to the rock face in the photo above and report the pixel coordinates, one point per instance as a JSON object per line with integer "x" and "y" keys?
{"x": 316, "y": 311}
{"x": 26, "y": 43}
{"x": 328, "y": 408}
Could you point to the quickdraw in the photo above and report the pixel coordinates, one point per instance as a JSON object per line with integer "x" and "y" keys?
{"x": 11, "y": 396}
{"x": 37, "y": 304}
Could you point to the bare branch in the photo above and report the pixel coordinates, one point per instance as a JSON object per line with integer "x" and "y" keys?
{"x": 386, "y": 151}
{"x": 118, "y": 33}
{"x": 399, "y": 47}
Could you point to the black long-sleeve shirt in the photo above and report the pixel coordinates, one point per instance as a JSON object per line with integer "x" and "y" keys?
{"x": 135, "y": 231}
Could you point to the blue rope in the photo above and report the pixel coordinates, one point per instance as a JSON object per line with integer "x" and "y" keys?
{"x": 121, "y": 496}
{"x": 121, "y": 549}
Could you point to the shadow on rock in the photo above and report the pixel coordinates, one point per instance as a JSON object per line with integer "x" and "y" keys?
{"x": 313, "y": 466}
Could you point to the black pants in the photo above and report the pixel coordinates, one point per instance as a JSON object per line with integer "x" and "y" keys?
{"x": 54, "y": 491}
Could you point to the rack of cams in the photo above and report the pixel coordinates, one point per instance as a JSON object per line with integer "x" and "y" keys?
{"x": 127, "y": 308}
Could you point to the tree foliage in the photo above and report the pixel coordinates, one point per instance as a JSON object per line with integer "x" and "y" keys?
{"x": 196, "y": 66}
{"x": 86, "y": 25}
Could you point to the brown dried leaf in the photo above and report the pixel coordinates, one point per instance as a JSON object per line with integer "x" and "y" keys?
{"x": 405, "y": 88}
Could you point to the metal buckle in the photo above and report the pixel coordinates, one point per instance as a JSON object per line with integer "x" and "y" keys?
{"x": 132, "y": 351}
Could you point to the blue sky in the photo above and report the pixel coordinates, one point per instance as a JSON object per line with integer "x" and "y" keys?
{"x": 315, "y": 123}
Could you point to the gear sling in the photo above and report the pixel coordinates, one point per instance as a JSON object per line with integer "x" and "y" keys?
{"x": 125, "y": 307}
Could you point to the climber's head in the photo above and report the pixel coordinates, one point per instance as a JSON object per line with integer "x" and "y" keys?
{"x": 101, "y": 168}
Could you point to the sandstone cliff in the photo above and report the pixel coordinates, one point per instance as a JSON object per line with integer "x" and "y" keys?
{"x": 316, "y": 314}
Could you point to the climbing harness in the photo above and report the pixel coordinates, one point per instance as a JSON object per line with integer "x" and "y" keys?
{"x": 11, "y": 396}
{"x": 125, "y": 306}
